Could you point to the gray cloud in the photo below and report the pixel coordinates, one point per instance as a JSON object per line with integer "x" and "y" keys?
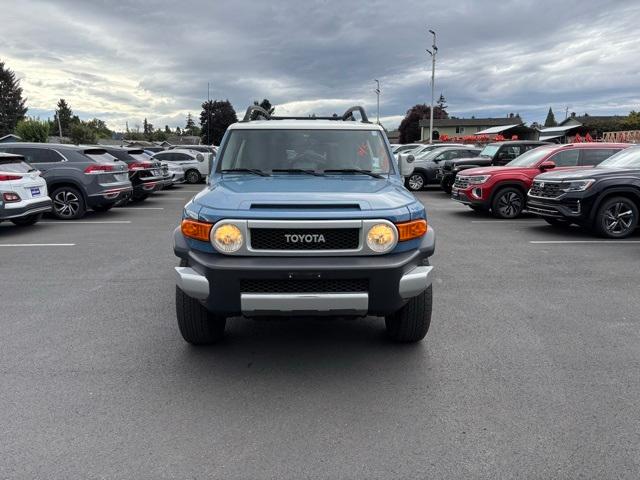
{"x": 128, "y": 60}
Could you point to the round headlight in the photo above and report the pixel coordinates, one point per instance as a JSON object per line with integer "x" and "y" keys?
{"x": 381, "y": 237}
{"x": 227, "y": 238}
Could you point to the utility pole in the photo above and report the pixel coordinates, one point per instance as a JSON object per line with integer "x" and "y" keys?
{"x": 432, "y": 52}
{"x": 208, "y": 116}
{"x": 59, "y": 126}
{"x": 378, "y": 95}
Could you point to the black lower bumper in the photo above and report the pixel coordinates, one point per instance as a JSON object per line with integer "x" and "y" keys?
{"x": 229, "y": 277}
{"x": 568, "y": 208}
{"x": 31, "y": 209}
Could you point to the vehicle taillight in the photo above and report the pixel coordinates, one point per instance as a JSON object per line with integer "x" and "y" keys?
{"x": 139, "y": 166}
{"x": 11, "y": 197}
{"x": 98, "y": 168}
{"x": 7, "y": 178}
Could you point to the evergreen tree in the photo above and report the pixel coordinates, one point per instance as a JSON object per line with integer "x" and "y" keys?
{"x": 167, "y": 130}
{"x": 189, "y": 126}
{"x": 442, "y": 103}
{"x": 215, "y": 117}
{"x": 65, "y": 114}
{"x": 551, "y": 119}
{"x": 178, "y": 131}
{"x": 12, "y": 105}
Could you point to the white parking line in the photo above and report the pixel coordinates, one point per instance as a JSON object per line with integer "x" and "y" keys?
{"x": 37, "y": 244}
{"x": 524, "y": 220}
{"x": 566, "y": 242}
{"x": 143, "y": 208}
{"x": 72, "y": 222}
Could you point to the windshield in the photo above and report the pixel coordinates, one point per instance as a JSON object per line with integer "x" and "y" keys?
{"x": 313, "y": 150}
{"x": 629, "y": 158}
{"x": 530, "y": 158}
{"x": 489, "y": 150}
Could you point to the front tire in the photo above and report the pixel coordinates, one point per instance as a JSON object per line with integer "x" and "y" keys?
{"x": 446, "y": 184}
{"x": 411, "y": 323}
{"x": 617, "y": 217}
{"x": 68, "y": 203}
{"x": 416, "y": 182}
{"x": 27, "y": 221}
{"x": 192, "y": 176}
{"x": 507, "y": 203}
{"x": 197, "y": 325}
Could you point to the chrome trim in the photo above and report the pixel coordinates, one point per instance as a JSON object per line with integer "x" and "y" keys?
{"x": 415, "y": 282}
{"x": 304, "y": 303}
{"x": 192, "y": 283}
{"x": 246, "y": 225}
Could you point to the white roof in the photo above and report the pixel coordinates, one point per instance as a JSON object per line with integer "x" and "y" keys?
{"x": 498, "y": 129}
{"x": 304, "y": 125}
{"x": 561, "y": 130}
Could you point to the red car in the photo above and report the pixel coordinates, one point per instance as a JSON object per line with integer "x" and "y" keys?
{"x": 503, "y": 190}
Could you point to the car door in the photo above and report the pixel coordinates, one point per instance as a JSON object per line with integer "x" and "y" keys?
{"x": 566, "y": 159}
{"x": 590, "y": 157}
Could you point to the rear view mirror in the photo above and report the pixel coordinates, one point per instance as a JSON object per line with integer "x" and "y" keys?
{"x": 547, "y": 165}
{"x": 406, "y": 164}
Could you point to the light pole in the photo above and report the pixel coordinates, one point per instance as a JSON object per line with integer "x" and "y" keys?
{"x": 432, "y": 52}
{"x": 378, "y": 95}
{"x": 208, "y": 116}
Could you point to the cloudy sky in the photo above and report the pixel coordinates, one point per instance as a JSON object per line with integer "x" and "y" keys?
{"x": 124, "y": 60}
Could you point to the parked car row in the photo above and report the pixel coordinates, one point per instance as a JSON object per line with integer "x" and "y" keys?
{"x": 68, "y": 180}
{"x": 594, "y": 185}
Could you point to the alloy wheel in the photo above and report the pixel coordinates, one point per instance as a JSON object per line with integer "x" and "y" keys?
{"x": 510, "y": 204}
{"x": 416, "y": 182}
{"x": 67, "y": 204}
{"x": 618, "y": 219}
{"x": 193, "y": 176}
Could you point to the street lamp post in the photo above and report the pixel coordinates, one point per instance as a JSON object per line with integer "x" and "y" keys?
{"x": 378, "y": 95}
{"x": 432, "y": 52}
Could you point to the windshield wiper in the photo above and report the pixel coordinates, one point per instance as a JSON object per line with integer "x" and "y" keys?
{"x": 297, "y": 170}
{"x": 353, "y": 170}
{"x": 255, "y": 171}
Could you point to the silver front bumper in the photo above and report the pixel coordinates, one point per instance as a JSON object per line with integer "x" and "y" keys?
{"x": 411, "y": 284}
{"x": 304, "y": 303}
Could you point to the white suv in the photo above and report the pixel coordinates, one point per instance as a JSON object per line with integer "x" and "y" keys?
{"x": 195, "y": 164}
{"x": 23, "y": 192}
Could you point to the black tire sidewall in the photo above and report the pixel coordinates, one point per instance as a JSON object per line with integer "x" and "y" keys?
{"x": 599, "y": 220}
{"x": 196, "y": 175}
{"x": 82, "y": 205}
{"x": 500, "y": 193}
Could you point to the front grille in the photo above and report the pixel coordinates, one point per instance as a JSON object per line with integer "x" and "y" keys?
{"x": 549, "y": 190}
{"x": 461, "y": 182}
{"x": 304, "y": 286}
{"x": 305, "y": 238}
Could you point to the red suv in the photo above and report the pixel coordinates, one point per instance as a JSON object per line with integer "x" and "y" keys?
{"x": 503, "y": 190}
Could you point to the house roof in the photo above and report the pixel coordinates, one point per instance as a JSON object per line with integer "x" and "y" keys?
{"x": 502, "y": 128}
{"x": 10, "y": 138}
{"x": 472, "y": 122}
{"x": 589, "y": 119}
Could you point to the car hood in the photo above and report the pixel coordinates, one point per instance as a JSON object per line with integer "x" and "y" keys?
{"x": 589, "y": 173}
{"x": 488, "y": 170}
{"x": 469, "y": 161}
{"x": 245, "y": 192}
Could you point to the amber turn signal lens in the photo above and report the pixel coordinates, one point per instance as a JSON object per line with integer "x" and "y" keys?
{"x": 411, "y": 230}
{"x": 196, "y": 230}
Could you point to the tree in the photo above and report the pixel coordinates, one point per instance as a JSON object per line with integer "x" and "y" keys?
{"x": 159, "y": 135}
{"x": 215, "y": 117}
{"x": 12, "y": 108}
{"x": 65, "y": 114}
{"x": 100, "y": 127}
{"x": 82, "y": 133}
{"x": 167, "y": 130}
{"x": 33, "y": 130}
{"x": 442, "y": 103}
{"x": 410, "y": 126}
{"x": 551, "y": 119}
{"x": 632, "y": 122}
{"x": 265, "y": 105}
{"x": 178, "y": 131}
{"x": 188, "y": 128}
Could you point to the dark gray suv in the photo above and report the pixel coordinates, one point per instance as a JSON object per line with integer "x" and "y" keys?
{"x": 78, "y": 178}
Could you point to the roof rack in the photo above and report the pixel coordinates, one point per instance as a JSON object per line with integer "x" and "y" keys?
{"x": 255, "y": 112}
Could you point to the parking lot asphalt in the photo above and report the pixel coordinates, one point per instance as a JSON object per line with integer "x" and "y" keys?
{"x": 531, "y": 368}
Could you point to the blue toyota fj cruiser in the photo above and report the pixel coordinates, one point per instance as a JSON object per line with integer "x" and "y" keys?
{"x": 304, "y": 216}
